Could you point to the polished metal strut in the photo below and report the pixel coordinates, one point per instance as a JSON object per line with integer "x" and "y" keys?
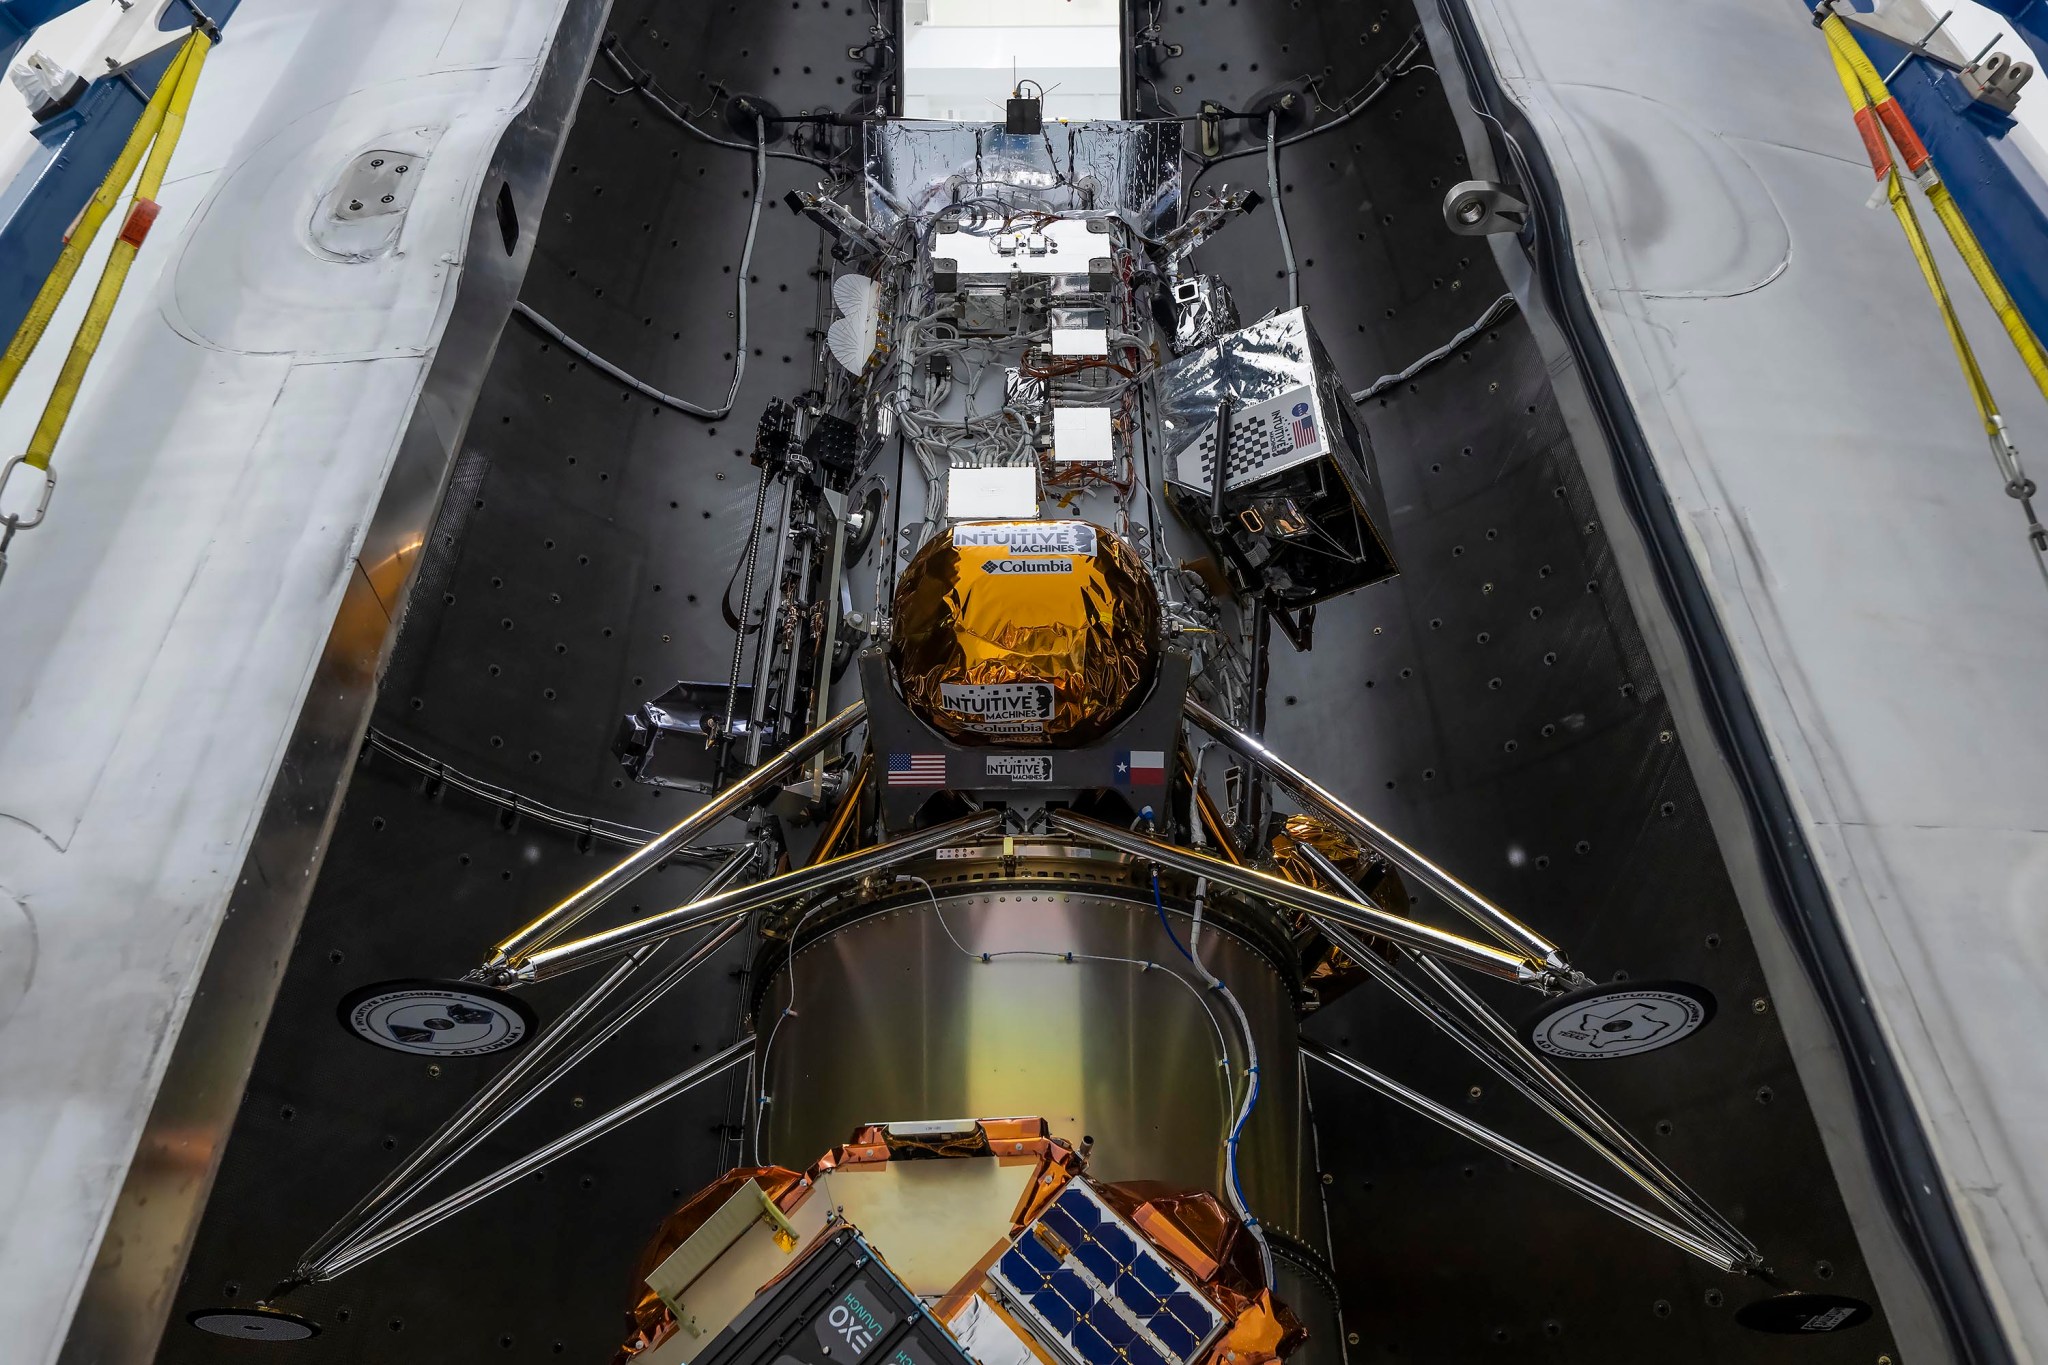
{"x": 1466, "y": 901}
{"x": 624, "y": 939}
{"x": 1494, "y": 1042}
{"x": 1365, "y": 917}
{"x": 1713, "y": 1252}
{"x": 650, "y": 855}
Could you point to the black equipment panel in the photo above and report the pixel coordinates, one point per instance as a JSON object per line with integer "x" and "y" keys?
{"x": 838, "y": 1306}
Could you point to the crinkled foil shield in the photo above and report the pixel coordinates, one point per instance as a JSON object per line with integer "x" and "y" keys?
{"x": 1325, "y": 968}
{"x": 1030, "y": 633}
{"x": 1367, "y": 870}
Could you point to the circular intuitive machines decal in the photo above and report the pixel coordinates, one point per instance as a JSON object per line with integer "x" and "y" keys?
{"x": 1620, "y": 1020}
{"x": 437, "y": 1018}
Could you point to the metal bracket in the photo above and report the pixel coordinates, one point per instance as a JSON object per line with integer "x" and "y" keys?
{"x": 1995, "y": 79}
{"x": 1481, "y": 208}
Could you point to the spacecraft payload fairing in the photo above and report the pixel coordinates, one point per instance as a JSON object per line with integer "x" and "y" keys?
{"x": 1029, "y": 986}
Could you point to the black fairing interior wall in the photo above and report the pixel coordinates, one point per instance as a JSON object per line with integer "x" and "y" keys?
{"x": 1494, "y": 703}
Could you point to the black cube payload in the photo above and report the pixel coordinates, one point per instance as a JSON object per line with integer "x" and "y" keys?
{"x": 839, "y": 1305}
{"x": 1299, "y": 514}
{"x": 1023, "y": 115}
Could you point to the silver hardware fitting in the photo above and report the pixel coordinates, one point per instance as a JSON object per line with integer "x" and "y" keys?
{"x": 10, "y": 523}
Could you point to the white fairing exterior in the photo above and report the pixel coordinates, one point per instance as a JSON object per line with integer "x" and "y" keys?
{"x": 1811, "y": 425}
{"x": 159, "y": 631}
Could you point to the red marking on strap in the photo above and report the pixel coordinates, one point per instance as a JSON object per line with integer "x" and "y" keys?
{"x": 1903, "y": 137}
{"x": 141, "y": 214}
{"x": 1873, "y": 142}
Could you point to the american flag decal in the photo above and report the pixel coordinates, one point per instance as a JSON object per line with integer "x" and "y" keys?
{"x": 917, "y": 770}
{"x": 1305, "y": 431}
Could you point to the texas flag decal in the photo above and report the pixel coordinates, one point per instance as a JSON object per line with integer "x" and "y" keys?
{"x": 1141, "y": 768}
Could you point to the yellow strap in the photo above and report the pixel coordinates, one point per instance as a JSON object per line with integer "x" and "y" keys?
{"x": 1845, "y": 70}
{"x": 2023, "y": 339}
{"x": 180, "y": 81}
{"x": 1980, "y": 391}
{"x": 88, "y": 225}
{"x": 1847, "y": 51}
{"x": 1916, "y": 238}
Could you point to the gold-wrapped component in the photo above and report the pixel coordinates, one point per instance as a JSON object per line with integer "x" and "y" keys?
{"x": 1195, "y": 1231}
{"x": 1326, "y": 969}
{"x": 650, "y": 1322}
{"x": 1041, "y": 633}
{"x": 1366, "y": 869}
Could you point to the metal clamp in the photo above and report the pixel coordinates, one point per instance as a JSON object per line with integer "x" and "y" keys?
{"x": 19, "y": 523}
{"x": 10, "y": 523}
{"x": 204, "y": 22}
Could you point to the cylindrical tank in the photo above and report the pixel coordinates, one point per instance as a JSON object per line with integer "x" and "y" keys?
{"x": 1030, "y": 997}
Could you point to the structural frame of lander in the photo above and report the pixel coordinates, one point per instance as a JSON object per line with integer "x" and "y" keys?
{"x": 1027, "y": 1082}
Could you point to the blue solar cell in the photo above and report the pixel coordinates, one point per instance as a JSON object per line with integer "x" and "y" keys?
{"x": 1080, "y": 1208}
{"x": 1057, "y": 1312}
{"x": 1092, "y": 1348}
{"x": 1135, "y": 1296}
{"x": 1193, "y": 1314}
{"x": 1019, "y": 1271}
{"x": 1062, "y": 1225}
{"x": 1117, "y": 1243}
{"x": 1036, "y": 1253}
{"x": 1072, "y": 1288}
{"x": 1111, "y": 1324}
{"x": 1176, "y": 1338}
{"x": 1154, "y": 1275}
{"x": 1099, "y": 1262}
{"x": 1146, "y": 1289}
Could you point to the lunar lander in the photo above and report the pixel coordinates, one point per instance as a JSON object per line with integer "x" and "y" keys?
{"x": 1033, "y": 916}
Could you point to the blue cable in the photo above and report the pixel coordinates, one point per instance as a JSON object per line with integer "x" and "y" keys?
{"x": 1160, "y": 904}
{"x": 1230, "y": 1146}
{"x": 1252, "y": 1073}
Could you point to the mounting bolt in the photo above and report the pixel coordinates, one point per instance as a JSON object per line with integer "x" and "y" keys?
{"x": 1759, "y": 1006}
{"x": 1351, "y": 1338}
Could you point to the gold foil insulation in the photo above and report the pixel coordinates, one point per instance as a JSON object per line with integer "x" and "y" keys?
{"x": 1040, "y": 633}
{"x": 1326, "y": 969}
{"x": 1366, "y": 869}
{"x": 649, "y": 1321}
{"x": 1190, "y": 1228}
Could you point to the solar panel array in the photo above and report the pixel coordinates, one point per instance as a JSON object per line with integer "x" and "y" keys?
{"x": 1111, "y": 1299}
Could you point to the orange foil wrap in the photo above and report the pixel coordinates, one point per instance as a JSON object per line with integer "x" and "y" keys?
{"x": 1326, "y": 969}
{"x": 1027, "y": 633}
{"x": 649, "y": 1321}
{"x": 1363, "y": 866}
